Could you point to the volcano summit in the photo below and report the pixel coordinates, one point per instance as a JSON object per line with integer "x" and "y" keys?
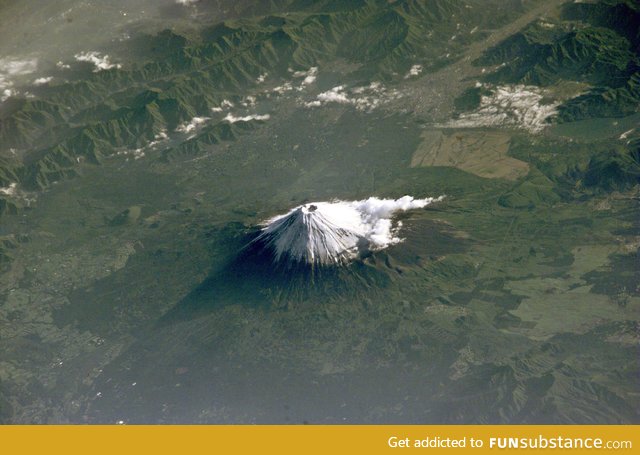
{"x": 332, "y": 233}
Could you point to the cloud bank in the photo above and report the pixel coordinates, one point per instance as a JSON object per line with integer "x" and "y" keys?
{"x": 247, "y": 118}
{"x": 415, "y": 70}
{"x": 519, "y": 106}
{"x": 43, "y": 80}
{"x": 364, "y": 98}
{"x": 99, "y": 61}
{"x": 192, "y": 125}
{"x": 11, "y": 68}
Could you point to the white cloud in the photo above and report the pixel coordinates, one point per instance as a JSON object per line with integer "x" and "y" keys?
{"x": 517, "y": 106}
{"x": 195, "y": 122}
{"x": 335, "y": 95}
{"x": 414, "y": 71}
{"x": 309, "y": 76}
{"x": 14, "y": 192}
{"x": 247, "y": 118}
{"x": 160, "y": 137}
{"x": 17, "y": 67}
{"x": 331, "y": 233}
{"x": 250, "y": 100}
{"x": 11, "y": 68}
{"x": 136, "y": 153}
{"x": 187, "y": 2}
{"x": 363, "y": 98}
{"x": 7, "y": 93}
{"x": 43, "y": 80}
{"x": 224, "y": 105}
{"x": 63, "y": 66}
{"x": 281, "y": 89}
{"x": 626, "y": 134}
{"x": 9, "y": 190}
{"x": 100, "y": 62}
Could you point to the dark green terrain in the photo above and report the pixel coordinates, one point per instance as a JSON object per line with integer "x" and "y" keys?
{"x": 127, "y": 196}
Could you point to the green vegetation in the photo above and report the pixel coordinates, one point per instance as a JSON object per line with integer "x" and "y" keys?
{"x": 616, "y": 170}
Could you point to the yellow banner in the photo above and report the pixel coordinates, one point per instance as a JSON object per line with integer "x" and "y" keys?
{"x": 317, "y": 439}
